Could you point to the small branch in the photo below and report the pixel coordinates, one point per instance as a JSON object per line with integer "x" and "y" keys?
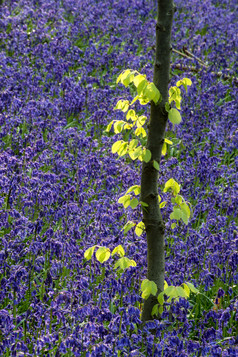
{"x": 195, "y": 57}
{"x": 190, "y": 56}
{"x": 196, "y": 70}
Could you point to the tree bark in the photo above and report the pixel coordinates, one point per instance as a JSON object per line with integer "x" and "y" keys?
{"x": 152, "y": 218}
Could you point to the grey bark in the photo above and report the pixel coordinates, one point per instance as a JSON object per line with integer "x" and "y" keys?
{"x": 152, "y": 218}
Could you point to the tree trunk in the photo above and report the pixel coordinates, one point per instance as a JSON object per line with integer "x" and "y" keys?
{"x": 152, "y": 218}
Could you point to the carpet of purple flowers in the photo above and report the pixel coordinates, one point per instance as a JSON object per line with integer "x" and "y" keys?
{"x": 59, "y": 182}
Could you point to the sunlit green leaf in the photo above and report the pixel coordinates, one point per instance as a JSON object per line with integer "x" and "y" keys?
{"x": 162, "y": 204}
{"x": 89, "y": 252}
{"x": 140, "y": 82}
{"x": 116, "y": 146}
{"x": 140, "y": 227}
{"x": 155, "y": 310}
{"x": 151, "y": 92}
{"x": 118, "y": 250}
{"x": 164, "y": 149}
{"x": 140, "y": 131}
{"x": 168, "y": 141}
{"x": 118, "y": 126}
{"x": 124, "y": 263}
{"x": 186, "y": 289}
{"x": 135, "y": 188}
{"x": 148, "y": 288}
{"x": 125, "y": 200}
{"x": 173, "y": 185}
{"x": 146, "y": 156}
{"x": 131, "y": 115}
{"x": 156, "y": 165}
{"x": 192, "y": 288}
{"x": 108, "y": 128}
{"x": 141, "y": 121}
{"x": 174, "y": 116}
{"x": 161, "y": 298}
{"x": 123, "y": 149}
{"x": 184, "y": 82}
{"x": 103, "y": 254}
{"x": 178, "y": 199}
{"x": 128, "y": 226}
{"x": 134, "y": 203}
{"x": 122, "y": 105}
{"x": 176, "y": 214}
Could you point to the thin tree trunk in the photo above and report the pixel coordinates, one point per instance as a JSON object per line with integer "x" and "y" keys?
{"x": 152, "y": 218}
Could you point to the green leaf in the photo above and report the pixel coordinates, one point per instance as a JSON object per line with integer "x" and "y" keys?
{"x": 127, "y": 77}
{"x": 148, "y": 288}
{"x": 184, "y": 207}
{"x": 174, "y": 116}
{"x": 128, "y": 226}
{"x": 123, "y": 149}
{"x": 143, "y": 204}
{"x": 109, "y": 126}
{"x": 118, "y": 126}
{"x": 136, "y": 189}
{"x": 161, "y": 298}
{"x": 140, "y": 82}
{"x": 156, "y": 165}
{"x": 122, "y": 105}
{"x": 103, "y": 254}
{"x": 173, "y": 225}
{"x": 165, "y": 285}
{"x": 141, "y": 121}
{"x": 134, "y": 100}
{"x": 159, "y": 198}
{"x": 146, "y": 156}
{"x": 168, "y": 141}
{"x": 134, "y": 203}
{"x": 184, "y": 82}
{"x": 171, "y": 292}
{"x": 167, "y": 107}
{"x": 136, "y": 153}
{"x": 89, "y": 252}
{"x": 140, "y": 227}
{"x": 161, "y": 309}
{"x": 119, "y": 78}
{"x": 173, "y": 185}
{"x": 162, "y": 204}
{"x": 131, "y": 115}
{"x": 164, "y": 149}
{"x": 155, "y": 310}
{"x": 151, "y": 92}
{"x": 143, "y": 100}
{"x": 186, "y": 289}
{"x": 116, "y": 146}
{"x": 124, "y": 263}
{"x": 125, "y": 200}
{"x": 132, "y": 144}
{"x": 176, "y": 214}
{"x": 178, "y": 199}
{"x": 140, "y": 131}
{"x": 181, "y": 292}
{"x": 192, "y": 288}
{"x": 118, "y": 250}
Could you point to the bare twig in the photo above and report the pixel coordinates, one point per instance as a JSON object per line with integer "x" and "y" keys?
{"x": 195, "y": 57}
{"x": 196, "y": 70}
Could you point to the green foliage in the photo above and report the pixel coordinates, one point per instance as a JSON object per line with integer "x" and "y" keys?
{"x": 134, "y": 124}
{"x": 104, "y": 253}
{"x": 148, "y": 288}
{"x": 173, "y": 293}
